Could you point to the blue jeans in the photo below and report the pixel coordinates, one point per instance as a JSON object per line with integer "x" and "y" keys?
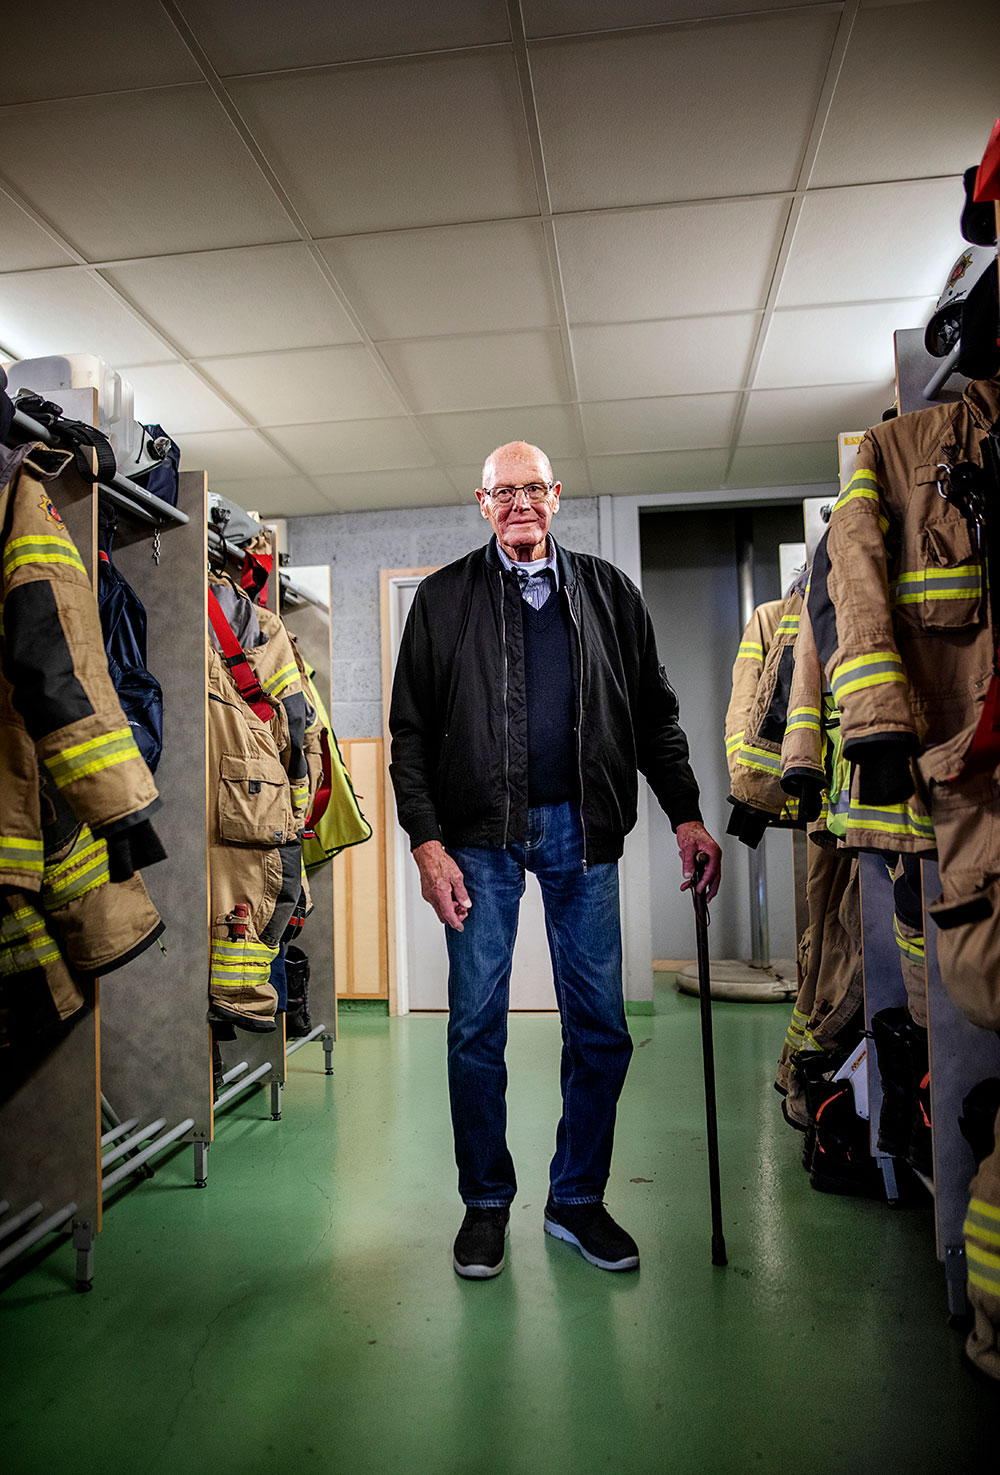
{"x": 584, "y": 934}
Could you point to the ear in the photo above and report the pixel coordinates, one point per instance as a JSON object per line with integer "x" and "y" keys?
{"x": 555, "y": 497}
{"x": 481, "y": 499}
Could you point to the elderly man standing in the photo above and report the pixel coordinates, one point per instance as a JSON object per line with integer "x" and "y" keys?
{"x": 527, "y": 694}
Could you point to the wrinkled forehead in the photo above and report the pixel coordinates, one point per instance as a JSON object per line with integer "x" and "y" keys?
{"x": 510, "y": 469}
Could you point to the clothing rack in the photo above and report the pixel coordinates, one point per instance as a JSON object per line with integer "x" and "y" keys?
{"x": 126, "y": 495}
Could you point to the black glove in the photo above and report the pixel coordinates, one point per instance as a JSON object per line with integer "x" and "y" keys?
{"x": 132, "y": 850}
{"x": 807, "y": 788}
{"x": 884, "y": 775}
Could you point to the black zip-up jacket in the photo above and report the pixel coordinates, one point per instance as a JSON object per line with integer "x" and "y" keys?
{"x": 458, "y": 716}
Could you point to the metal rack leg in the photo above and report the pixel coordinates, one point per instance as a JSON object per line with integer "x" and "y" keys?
{"x": 276, "y": 1101}
{"x": 201, "y": 1164}
{"x": 83, "y": 1243}
{"x": 328, "y": 1053}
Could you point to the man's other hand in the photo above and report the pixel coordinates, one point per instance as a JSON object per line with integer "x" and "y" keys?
{"x": 694, "y": 840}
{"x": 442, "y": 884}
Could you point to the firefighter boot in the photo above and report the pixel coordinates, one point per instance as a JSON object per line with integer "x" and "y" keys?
{"x": 919, "y": 1154}
{"x": 899, "y": 1086}
{"x": 808, "y": 1068}
{"x": 297, "y": 1021}
{"x": 978, "y": 1120}
{"x": 842, "y": 1162}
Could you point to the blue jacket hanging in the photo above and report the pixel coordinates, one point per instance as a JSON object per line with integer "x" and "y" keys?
{"x": 123, "y": 621}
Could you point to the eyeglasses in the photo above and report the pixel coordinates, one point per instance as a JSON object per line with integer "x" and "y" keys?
{"x": 536, "y": 491}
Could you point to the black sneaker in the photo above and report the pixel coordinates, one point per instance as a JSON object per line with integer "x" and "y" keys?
{"x": 479, "y": 1246}
{"x": 596, "y": 1235}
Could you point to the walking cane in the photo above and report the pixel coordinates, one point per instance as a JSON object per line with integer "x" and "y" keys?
{"x": 705, "y": 996}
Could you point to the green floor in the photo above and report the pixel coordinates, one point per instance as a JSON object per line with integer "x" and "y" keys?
{"x": 301, "y": 1314}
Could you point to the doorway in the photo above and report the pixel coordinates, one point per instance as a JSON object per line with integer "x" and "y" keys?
{"x": 418, "y": 957}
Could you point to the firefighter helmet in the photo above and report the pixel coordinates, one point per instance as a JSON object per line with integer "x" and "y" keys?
{"x": 943, "y": 330}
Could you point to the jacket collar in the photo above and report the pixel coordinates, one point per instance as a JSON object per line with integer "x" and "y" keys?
{"x": 983, "y": 399}
{"x": 567, "y": 573}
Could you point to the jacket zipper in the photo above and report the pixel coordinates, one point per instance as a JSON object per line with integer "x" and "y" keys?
{"x": 579, "y": 722}
{"x": 506, "y": 717}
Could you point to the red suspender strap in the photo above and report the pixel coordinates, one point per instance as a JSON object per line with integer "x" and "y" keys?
{"x": 984, "y": 750}
{"x": 235, "y": 658}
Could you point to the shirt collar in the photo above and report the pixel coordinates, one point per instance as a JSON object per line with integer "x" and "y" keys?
{"x": 538, "y": 566}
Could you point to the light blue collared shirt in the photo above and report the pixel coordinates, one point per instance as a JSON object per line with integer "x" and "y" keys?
{"x": 534, "y": 589}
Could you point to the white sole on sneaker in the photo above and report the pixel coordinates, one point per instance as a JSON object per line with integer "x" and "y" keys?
{"x": 630, "y": 1262}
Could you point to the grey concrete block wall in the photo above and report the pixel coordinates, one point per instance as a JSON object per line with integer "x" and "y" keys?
{"x": 358, "y": 545}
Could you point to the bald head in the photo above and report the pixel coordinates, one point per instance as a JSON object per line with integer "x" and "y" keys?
{"x": 516, "y": 453}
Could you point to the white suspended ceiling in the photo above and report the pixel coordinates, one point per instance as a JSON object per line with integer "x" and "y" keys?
{"x": 344, "y": 250}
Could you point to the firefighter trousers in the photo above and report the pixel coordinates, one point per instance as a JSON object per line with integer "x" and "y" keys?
{"x": 982, "y": 1248}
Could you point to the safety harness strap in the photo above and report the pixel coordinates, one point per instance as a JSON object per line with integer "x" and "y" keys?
{"x": 236, "y": 659}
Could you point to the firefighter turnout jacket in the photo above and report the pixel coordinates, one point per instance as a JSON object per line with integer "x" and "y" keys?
{"x": 75, "y": 794}
{"x": 260, "y": 776}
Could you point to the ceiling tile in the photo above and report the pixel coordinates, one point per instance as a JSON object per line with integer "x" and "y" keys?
{"x": 438, "y": 374}
{"x": 663, "y": 471}
{"x": 835, "y": 345}
{"x": 68, "y": 311}
{"x": 778, "y": 466}
{"x": 605, "y": 145}
{"x": 563, "y": 17}
{"x": 109, "y": 172}
{"x": 457, "y": 279}
{"x": 892, "y": 240}
{"x": 232, "y": 455}
{"x": 883, "y": 123}
{"x": 130, "y": 43}
{"x": 245, "y": 301}
{"x": 404, "y": 143}
{"x": 782, "y": 415}
{"x": 361, "y": 491}
{"x": 675, "y": 262}
{"x": 571, "y": 471}
{"x": 468, "y": 439}
{"x": 645, "y": 360}
{"x": 353, "y": 445}
{"x": 308, "y": 385}
{"x": 275, "y": 496}
{"x": 682, "y": 422}
{"x": 304, "y": 33}
{"x": 23, "y": 244}
{"x": 173, "y": 396}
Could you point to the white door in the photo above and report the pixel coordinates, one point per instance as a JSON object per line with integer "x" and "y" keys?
{"x": 422, "y": 959}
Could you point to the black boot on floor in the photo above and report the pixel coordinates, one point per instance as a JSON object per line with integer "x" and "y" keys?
{"x": 842, "y": 1160}
{"x": 297, "y": 1021}
{"x": 479, "y": 1246}
{"x": 899, "y": 1084}
{"x": 594, "y": 1233}
{"x": 919, "y": 1154}
{"x": 808, "y": 1067}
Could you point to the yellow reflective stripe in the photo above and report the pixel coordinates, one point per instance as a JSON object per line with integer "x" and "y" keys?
{"x": 979, "y": 1231}
{"x": 241, "y": 948}
{"x": 901, "y": 820}
{"x": 760, "y": 759}
{"x": 788, "y": 625}
{"x": 921, "y": 585}
{"x": 80, "y": 872}
{"x": 24, "y": 855}
{"x": 984, "y": 1258}
{"x": 913, "y": 947}
{"x": 988, "y": 1283}
{"x": 41, "y": 548}
{"x": 750, "y": 650}
{"x": 988, "y": 1211}
{"x": 281, "y": 679}
{"x": 803, "y": 718}
{"x": 880, "y": 668}
{"x": 92, "y": 756}
{"x": 734, "y": 742}
{"x": 25, "y": 942}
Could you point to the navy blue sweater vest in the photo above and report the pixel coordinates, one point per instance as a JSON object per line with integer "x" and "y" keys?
{"x": 548, "y": 677}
